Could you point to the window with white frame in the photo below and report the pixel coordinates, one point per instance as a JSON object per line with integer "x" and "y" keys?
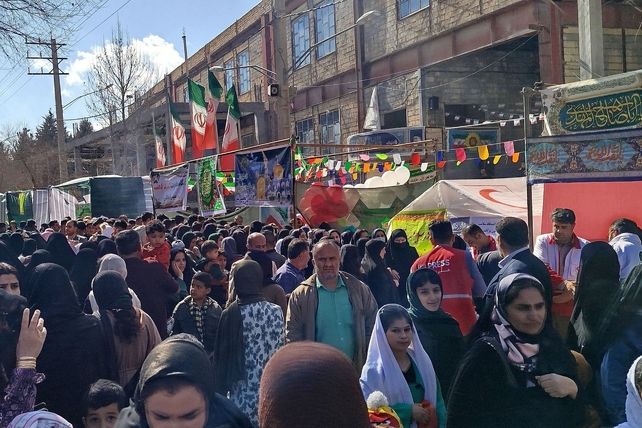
{"x": 305, "y": 134}
{"x": 407, "y": 7}
{"x": 324, "y": 29}
{"x": 229, "y": 74}
{"x": 330, "y": 129}
{"x": 300, "y": 41}
{"x": 243, "y": 61}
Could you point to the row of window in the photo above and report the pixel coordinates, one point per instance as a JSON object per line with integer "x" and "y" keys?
{"x": 324, "y": 29}
{"x": 329, "y": 128}
{"x": 243, "y": 69}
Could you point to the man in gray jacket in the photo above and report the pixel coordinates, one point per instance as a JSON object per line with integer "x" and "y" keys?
{"x": 332, "y": 307}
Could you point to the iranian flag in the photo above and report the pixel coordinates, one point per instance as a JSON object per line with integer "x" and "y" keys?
{"x": 178, "y": 136}
{"x": 198, "y": 109}
{"x": 231, "y": 139}
{"x": 160, "y": 148}
{"x": 213, "y": 98}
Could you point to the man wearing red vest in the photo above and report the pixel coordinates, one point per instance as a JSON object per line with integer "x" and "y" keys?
{"x": 461, "y": 280}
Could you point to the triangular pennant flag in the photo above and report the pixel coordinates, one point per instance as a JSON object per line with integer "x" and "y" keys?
{"x": 178, "y": 136}
{"x": 366, "y": 167}
{"x": 483, "y": 152}
{"x": 231, "y": 139}
{"x": 515, "y": 157}
{"x": 214, "y": 95}
{"x": 198, "y": 110}
{"x": 372, "y": 121}
{"x": 441, "y": 162}
{"x": 460, "y": 154}
{"x": 509, "y": 148}
{"x": 415, "y": 159}
{"x": 496, "y": 159}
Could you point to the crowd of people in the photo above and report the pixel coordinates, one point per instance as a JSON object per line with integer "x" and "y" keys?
{"x": 202, "y": 322}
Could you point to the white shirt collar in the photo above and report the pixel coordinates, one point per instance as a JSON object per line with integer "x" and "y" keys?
{"x": 510, "y": 257}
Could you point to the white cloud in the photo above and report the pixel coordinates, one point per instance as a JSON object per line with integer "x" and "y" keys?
{"x": 161, "y": 53}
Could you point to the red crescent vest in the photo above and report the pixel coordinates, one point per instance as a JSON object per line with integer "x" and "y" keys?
{"x": 457, "y": 284}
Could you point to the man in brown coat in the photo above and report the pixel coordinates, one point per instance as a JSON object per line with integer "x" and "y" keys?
{"x": 332, "y": 307}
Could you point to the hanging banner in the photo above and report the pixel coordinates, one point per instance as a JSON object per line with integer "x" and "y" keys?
{"x": 416, "y": 226}
{"x": 210, "y": 200}
{"x": 169, "y": 188}
{"x": 19, "y": 206}
{"x": 466, "y": 138}
{"x": 115, "y": 196}
{"x": 607, "y": 156}
{"x": 264, "y": 179}
{"x": 612, "y": 102}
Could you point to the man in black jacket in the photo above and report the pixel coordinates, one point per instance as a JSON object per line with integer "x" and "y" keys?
{"x": 512, "y": 241}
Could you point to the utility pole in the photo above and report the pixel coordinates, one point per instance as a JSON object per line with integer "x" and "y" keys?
{"x": 60, "y": 121}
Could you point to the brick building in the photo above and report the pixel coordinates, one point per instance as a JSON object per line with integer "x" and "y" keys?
{"x": 435, "y": 63}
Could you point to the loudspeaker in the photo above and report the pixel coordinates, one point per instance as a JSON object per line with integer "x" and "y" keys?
{"x": 433, "y": 103}
{"x": 273, "y": 90}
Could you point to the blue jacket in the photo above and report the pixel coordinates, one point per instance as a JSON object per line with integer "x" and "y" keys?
{"x": 615, "y": 365}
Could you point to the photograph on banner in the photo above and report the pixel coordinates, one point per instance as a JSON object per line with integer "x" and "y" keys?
{"x": 471, "y": 138}
{"x": 264, "y": 178}
{"x": 606, "y": 156}
{"x": 210, "y": 200}
{"x": 169, "y": 188}
{"x": 416, "y": 226}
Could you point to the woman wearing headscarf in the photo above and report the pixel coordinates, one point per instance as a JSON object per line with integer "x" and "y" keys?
{"x": 72, "y": 357}
{"x": 250, "y": 332}
{"x": 37, "y": 258}
{"x": 334, "y": 234}
{"x": 16, "y": 242}
{"x": 208, "y": 229}
{"x": 624, "y": 322}
{"x": 377, "y": 276}
{"x": 182, "y": 230}
{"x": 634, "y": 396}
{"x": 399, "y": 367}
{"x": 28, "y": 249}
{"x": 299, "y": 389}
{"x": 106, "y": 246}
{"x": 8, "y": 256}
{"x": 346, "y": 237}
{"x": 61, "y": 252}
{"x": 109, "y": 262}
{"x": 18, "y": 355}
{"x": 379, "y": 234}
{"x": 38, "y": 419}
{"x": 241, "y": 241}
{"x": 229, "y": 247}
{"x": 361, "y": 245}
{"x": 83, "y": 271}
{"x": 597, "y": 291}
{"x": 273, "y": 292}
{"x": 351, "y": 262}
{"x": 360, "y": 234}
{"x": 182, "y": 270}
{"x": 130, "y": 334}
{"x": 399, "y": 257}
{"x": 177, "y": 378}
{"x": 438, "y": 331}
{"x": 285, "y": 243}
{"x": 189, "y": 239}
{"x": 517, "y": 371}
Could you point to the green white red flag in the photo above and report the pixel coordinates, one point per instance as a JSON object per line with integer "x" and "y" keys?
{"x": 231, "y": 138}
{"x": 214, "y": 96}
{"x": 198, "y": 109}
{"x": 178, "y": 136}
{"x": 161, "y": 159}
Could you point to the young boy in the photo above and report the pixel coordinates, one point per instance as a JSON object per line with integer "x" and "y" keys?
{"x": 198, "y": 314}
{"x": 157, "y": 248}
{"x": 105, "y": 399}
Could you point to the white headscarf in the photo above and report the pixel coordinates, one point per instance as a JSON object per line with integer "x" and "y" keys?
{"x": 117, "y": 264}
{"x": 382, "y": 372}
{"x": 39, "y": 419}
{"x": 633, "y": 400}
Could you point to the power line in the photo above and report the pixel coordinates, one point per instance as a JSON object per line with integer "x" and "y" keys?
{"x": 101, "y": 23}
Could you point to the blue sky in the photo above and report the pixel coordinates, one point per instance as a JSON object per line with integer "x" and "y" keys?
{"x": 155, "y": 25}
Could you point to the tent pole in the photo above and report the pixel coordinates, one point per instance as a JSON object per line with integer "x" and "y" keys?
{"x": 527, "y": 94}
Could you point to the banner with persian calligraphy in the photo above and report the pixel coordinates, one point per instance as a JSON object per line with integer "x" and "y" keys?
{"x": 612, "y": 102}
{"x": 210, "y": 200}
{"x": 605, "y": 156}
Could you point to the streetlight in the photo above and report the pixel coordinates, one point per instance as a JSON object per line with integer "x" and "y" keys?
{"x": 360, "y": 21}
{"x": 88, "y": 93}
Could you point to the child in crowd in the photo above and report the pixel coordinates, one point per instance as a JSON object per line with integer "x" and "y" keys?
{"x": 105, "y": 399}
{"x": 198, "y": 314}
{"x": 157, "y": 248}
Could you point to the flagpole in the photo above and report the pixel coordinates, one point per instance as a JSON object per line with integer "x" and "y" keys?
{"x": 292, "y": 159}
{"x": 169, "y": 132}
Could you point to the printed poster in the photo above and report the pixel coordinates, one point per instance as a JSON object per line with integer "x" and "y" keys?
{"x": 210, "y": 199}
{"x": 264, "y": 179}
{"x": 416, "y": 226}
{"x": 169, "y": 188}
{"x": 19, "y": 206}
{"x": 471, "y": 138}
